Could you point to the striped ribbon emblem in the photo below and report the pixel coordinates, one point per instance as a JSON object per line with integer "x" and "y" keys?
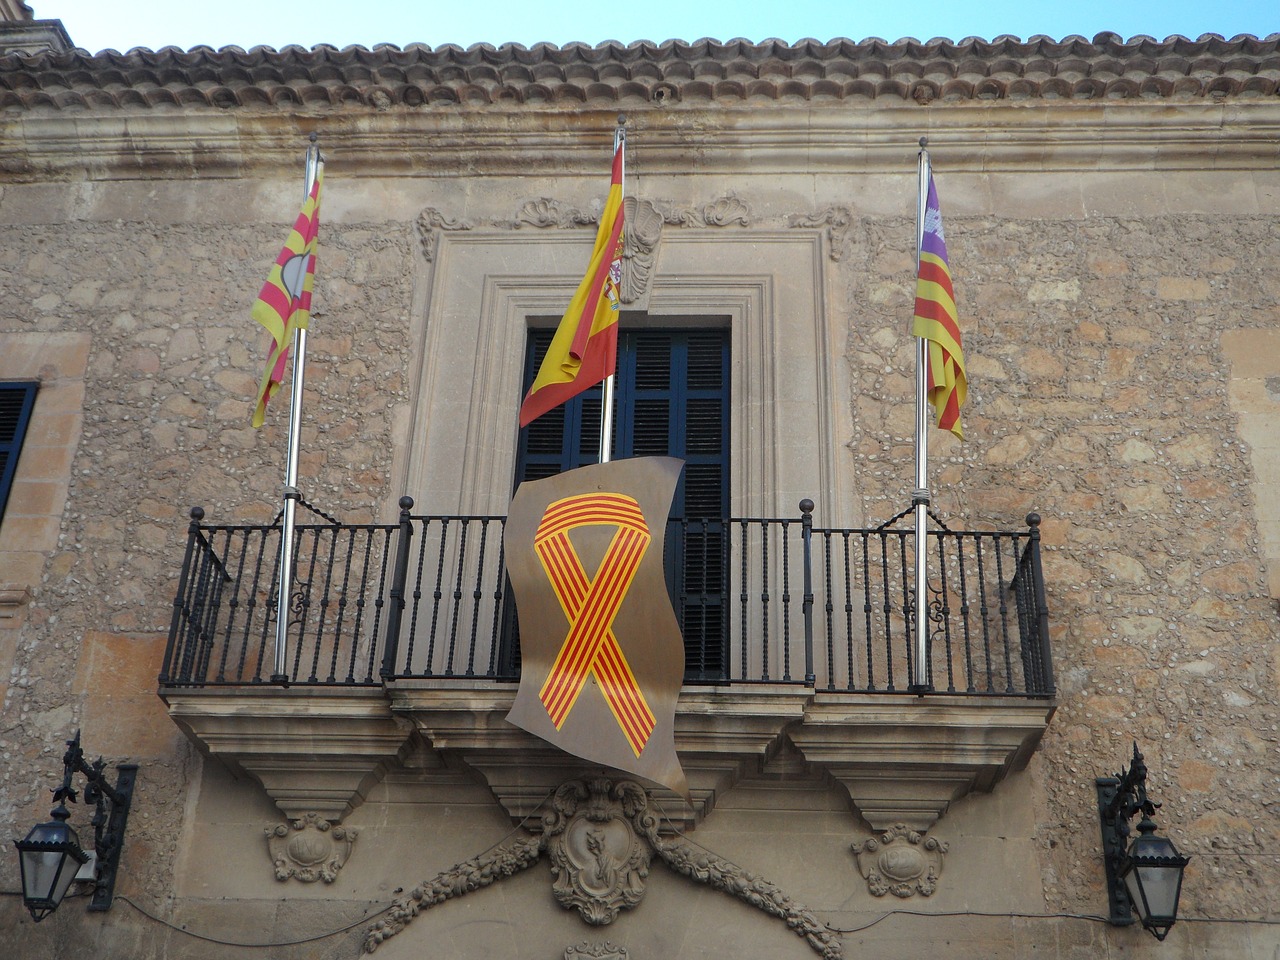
{"x": 590, "y": 604}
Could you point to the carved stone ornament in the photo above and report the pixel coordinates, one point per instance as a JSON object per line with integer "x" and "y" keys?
{"x": 598, "y": 860}
{"x": 639, "y": 247}
{"x": 600, "y": 837}
{"x": 309, "y": 849}
{"x": 901, "y": 861}
{"x": 597, "y": 950}
{"x": 546, "y": 212}
{"x": 836, "y": 220}
{"x": 430, "y": 221}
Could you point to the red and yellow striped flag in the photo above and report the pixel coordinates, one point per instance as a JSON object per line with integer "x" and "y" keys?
{"x": 936, "y": 321}
{"x": 584, "y": 350}
{"x": 284, "y": 304}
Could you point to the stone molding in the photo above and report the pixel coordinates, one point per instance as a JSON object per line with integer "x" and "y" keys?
{"x": 982, "y": 137}
{"x": 902, "y": 759}
{"x": 721, "y": 735}
{"x": 674, "y": 72}
{"x": 315, "y": 752}
{"x": 13, "y": 598}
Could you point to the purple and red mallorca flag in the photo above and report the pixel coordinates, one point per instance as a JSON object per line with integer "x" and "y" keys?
{"x": 584, "y": 350}
{"x": 936, "y": 321}
{"x": 284, "y": 304}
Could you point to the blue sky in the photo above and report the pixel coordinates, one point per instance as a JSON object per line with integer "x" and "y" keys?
{"x": 97, "y": 24}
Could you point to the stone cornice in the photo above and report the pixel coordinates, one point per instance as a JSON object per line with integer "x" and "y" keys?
{"x": 386, "y": 77}
{"x": 978, "y": 137}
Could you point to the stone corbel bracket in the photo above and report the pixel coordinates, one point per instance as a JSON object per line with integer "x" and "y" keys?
{"x": 316, "y": 752}
{"x": 904, "y": 760}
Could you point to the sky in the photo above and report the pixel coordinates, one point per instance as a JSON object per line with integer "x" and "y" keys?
{"x": 99, "y": 24}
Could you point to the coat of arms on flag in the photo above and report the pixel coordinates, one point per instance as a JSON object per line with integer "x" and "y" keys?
{"x": 602, "y": 657}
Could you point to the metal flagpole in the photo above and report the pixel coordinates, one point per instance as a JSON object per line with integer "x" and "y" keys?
{"x": 606, "y": 400}
{"x": 921, "y": 679}
{"x": 291, "y": 495}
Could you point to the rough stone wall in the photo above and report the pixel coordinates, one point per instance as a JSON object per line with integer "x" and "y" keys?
{"x": 1099, "y": 398}
{"x": 174, "y": 361}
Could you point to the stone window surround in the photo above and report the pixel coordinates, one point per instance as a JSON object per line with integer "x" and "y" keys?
{"x": 769, "y": 283}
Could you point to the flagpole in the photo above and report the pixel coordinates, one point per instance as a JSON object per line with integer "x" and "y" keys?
{"x": 606, "y": 400}
{"x": 291, "y": 495}
{"x": 921, "y": 679}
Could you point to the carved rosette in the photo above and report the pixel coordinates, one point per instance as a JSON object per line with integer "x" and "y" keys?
{"x": 309, "y": 849}
{"x": 595, "y": 840}
{"x": 901, "y": 861}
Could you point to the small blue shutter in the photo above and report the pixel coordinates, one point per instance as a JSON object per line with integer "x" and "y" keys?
{"x": 16, "y": 403}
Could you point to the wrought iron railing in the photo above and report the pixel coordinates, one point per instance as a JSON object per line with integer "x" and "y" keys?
{"x": 759, "y": 601}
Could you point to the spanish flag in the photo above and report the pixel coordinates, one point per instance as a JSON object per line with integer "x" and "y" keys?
{"x": 584, "y": 350}
{"x": 936, "y": 321}
{"x": 284, "y": 304}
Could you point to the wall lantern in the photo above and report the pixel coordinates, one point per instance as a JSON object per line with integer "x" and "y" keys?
{"x": 51, "y": 857}
{"x": 1147, "y": 877}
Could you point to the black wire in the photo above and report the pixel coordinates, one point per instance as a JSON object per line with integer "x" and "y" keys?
{"x": 233, "y": 943}
{"x": 1038, "y": 916}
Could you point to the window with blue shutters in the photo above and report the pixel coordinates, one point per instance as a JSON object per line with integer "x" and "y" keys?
{"x": 16, "y": 403}
{"x": 671, "y": 398}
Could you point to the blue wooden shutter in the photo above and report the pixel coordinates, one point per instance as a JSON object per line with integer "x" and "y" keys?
{"x": 671, "y": 399}
{"x": 16, "y": 403}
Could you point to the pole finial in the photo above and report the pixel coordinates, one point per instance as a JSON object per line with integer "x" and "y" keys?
{"x": 622, "y": 119}
{"x": 314, "y": 136}
{"x": 924, "y": 142}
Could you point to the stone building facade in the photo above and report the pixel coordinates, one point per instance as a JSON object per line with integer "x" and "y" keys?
{"x": 1111, "y": 214}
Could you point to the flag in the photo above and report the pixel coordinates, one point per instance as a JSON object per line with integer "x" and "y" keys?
{"x": 584, "y": 350}
{"x": 284, "y": 305}
{"x": 601, "y": 654}
{"x": 936, "y": 321}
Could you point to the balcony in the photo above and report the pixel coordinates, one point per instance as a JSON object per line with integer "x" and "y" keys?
{"x": 403, "y": 641}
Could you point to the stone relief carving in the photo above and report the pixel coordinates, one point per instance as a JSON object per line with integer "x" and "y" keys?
{"x": 639, "y": 247}
{"x": 546, "y": 212}
{"x": 598, "y": 950}
{"x": 601, "y": 837}
{"x": 430, "y": 221}
{"x": 726, "y": 211}
{"x": 593, "y": 836}
{"x": 901, "y": 861}
{"x": 309, "y": 849}
{"x": 837, "y": 220}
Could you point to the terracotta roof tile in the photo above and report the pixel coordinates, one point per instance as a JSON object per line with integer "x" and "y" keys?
{"x": 704, "y": 71}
